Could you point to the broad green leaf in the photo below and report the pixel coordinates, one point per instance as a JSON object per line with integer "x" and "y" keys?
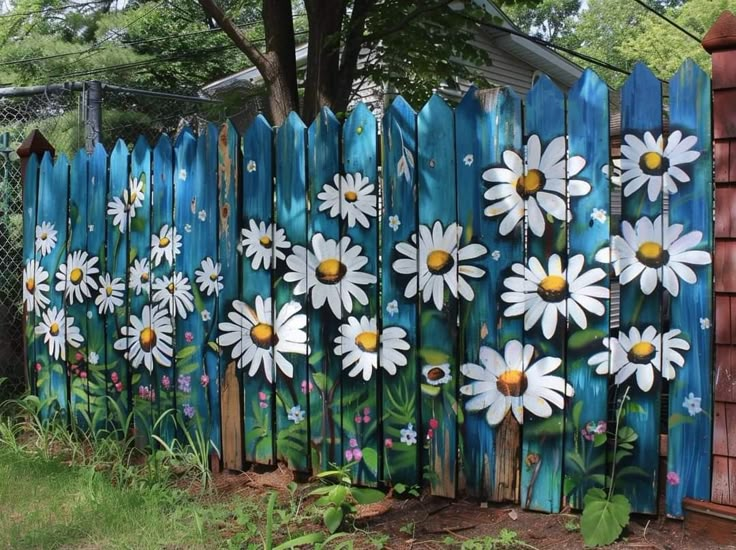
{"x": 577, "y": 412}
{"x": 304, "y": 540}
{"x": 603, "y": 520}
{"x": 370, "y": 459}
{"x": 434, "y": 356}
{"x": 364, "y": 495}
{"x": 584, "y": 338}
{"x": 677, "y": 419}
{"x": 337, "y": 494}
{"x": 185, "y": 352}
{"x": 333, "y": 519}
{"x": 599, "y": 439}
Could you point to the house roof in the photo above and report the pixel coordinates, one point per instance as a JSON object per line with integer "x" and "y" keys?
{"x": 539, "y": 57}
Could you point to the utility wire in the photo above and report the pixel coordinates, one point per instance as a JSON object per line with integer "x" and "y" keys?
{"x": 668, "y": 20}
{"x": 50, "y": 8}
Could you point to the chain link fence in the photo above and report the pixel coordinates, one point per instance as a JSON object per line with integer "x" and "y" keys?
{"x": 61, "y": 113}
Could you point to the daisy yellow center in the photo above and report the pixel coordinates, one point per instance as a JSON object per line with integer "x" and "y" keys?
{"x": 31, "y": 285}
{"x": 213, "y": 276}
{"x": 54, "y": 329}
{"x": 552, "y": 288}
{"x": 512, "y": 383}
{"x": 133, "y": 196}
{"x": 367, "y": 341}
{"x": 351, "y": 196}
{"x": 439, "y": 262}
{"x": 171, "y": 288}
{"x": 434, "y": 374}
{"x": 263, "y": 335}
{"x": 44, "y": 236}
{"x": 265, "y": 241}
{"x": 108, "y": 290}
{"x": 144, "y": 276}
{"x": 164, "y": 242}
{"x": 530, "y": 184}
{"x": 642, "y": 352}
{"x": 331, "y": 271}
{"x": 652, "y": 254}
{"x": 76, "y": 275}
{"x": 653, "y": 163}
{"x": 147, "y": 339}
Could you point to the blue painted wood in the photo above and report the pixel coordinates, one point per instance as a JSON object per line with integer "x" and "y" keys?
{"x": 690, "y": 393}
{"x": 292, "y": 406}
{"x": 96, "y": 235}
{"x": 117, "y": 238}
{"x": 78, "y": 372}
{"x": 400, "y": 410}
{"x": 438, "y": 308}
{"x": 195, "y": 221}
{"x": 165, "y": 272}
{"x": 36, "y": 290}
{"x": 641, "y": 112}
{"x": 587, "y": 123}
{"x": 228, "y": 167}
{"x": 139, "y": 279}
{"x": 542, "y": 437}
{"x": 51, "y": 245}
{"x": 487, "y": 124}
{"x": 207, "y": 171}
{"x": 326, "y": 396}
{"x": 360, "y": 418}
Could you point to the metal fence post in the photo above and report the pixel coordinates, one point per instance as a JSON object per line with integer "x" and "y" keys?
{"x": 92, "y": 114}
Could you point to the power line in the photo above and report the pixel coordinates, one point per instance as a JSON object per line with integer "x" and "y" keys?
{"x": 46, "y": 10}
{"x": 668, "y": 20}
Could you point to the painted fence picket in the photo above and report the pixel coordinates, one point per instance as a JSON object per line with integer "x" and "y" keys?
{"x": 323, "y": 386}
{"x": 439, "y": 273}
{"x": 193, "y": 217}
{"x": 487, "y": 125}
{"x": 641, "y": 319}
{"x": 290, "y": 295}
{"x": 690, "y": 403}
{"x": 80, "y": 375}
{"x": 139, "y": 280}
{"x": 400, "y": 411}
{"x": 228, "y": 307}
{"x": 360, "y": 388}
{"x": 36, "y": 282}
{"x": 51, "y": 246}
{"x": 545, "y": 318}
{"x": 589, "y": 232}
{"x": 260, "y": 247}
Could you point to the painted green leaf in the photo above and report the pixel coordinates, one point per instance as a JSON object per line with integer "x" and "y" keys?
{"x": 316, "y": 357}
{"x": 214, "y": 347}
{"x": 433, "y": 356}
{"x": 432, "y": 391}
{"x": 577, "y": 412}
{"x": 584, "y": 338}
{"x": 599, "y": 439}
{"x": 185, "y": 352}
{"x": 677, "y": 419}
{"x": 603, "y": 520}
{"x": 370, "y": 459}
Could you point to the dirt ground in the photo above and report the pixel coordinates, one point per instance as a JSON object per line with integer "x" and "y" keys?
{"x": 427, "y": 522}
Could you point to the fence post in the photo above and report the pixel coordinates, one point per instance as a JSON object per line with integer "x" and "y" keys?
{"x": 92, "y": 114}
{"x": 720, "y": 42}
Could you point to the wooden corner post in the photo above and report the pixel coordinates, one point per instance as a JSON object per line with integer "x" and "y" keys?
{"x": 720, "y": 42}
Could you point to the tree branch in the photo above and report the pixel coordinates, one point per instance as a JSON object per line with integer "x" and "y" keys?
{"x": 404, "y": 21}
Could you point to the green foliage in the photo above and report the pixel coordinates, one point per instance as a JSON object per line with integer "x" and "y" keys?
{"x": 338, "y": 496}
{"x": 604, "y": 517}
{"x": 403, "y": 490}
{"x": 506, "y": 538}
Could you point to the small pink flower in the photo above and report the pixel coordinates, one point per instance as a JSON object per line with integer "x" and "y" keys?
{"x": 673, "y": 478}
{"x": 353, "y": 442}
{"x": 389, "y": 443}
{"x": 367, "y": 411}
{"x": 83, "y": 374}
{"x": 366, "y": 419}
{"x": 38, "y": 367}
{"x": 165, "y": 382}
{"x": 433, "y": 423}
{"x": 114, "y": 377}
{"x": 349, "y": 455}
{"x": 261, "y": 396}
{"x": 204, "y": 380}
{"x": 357, "y": 454}
{"x": 430, "y": 433}
{"x": 307, "y": 386}
{"x": 263, "y": 404}
{"x": 119, "y": 386}
{"x": 79, "y": 356}
{"x": 189, "y": 337}
{"x": 358, "y": 419}
{"x": 601, "y": 427}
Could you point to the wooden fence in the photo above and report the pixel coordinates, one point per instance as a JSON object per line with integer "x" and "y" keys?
{"x": 445, "y": 322}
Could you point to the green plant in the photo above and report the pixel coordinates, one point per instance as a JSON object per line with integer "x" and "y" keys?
{"x": 402, "y": 490}
{"x": 571, "y": 526}
{"x": 338, "y": 496}
{"x": 605, "y": 514}
{"x": 506, "y": 538}
{"x": 409, "y": 528}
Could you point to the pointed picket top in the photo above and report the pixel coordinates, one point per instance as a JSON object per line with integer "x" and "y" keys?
{"x": 400, "y": 105}
{"x": 358, "y": 118}
{"x": 326, "y": 118}
{"x": 470, "y": 96}
{"x": 641, "y": 74}
{"x": 62, "y": 162}
{"x": 80, "y": 157}
{"x": 294, "y": 121}
{"x": 141, "y": 146}
{"x": 163, "y": 142}
{"x": 546, "y": 88}
{"x": 185, "y": 133}
{"x": 98, "y": 151}
{"x": 120, "y": 150}
{"x": 47, "y": 161}
{"x": 688, "y": 69}
{"x": 259, "y": 125}
{"x": 641, "y": 100}
{"x": 588, "y": 85}
{"x": 435, "y": 105}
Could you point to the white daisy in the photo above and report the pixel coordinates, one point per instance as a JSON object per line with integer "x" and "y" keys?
{"x": 263, "y": 243}
{"x": 35, "y": 287}
{"x": 206, "y": 316}
{"x": 692, "y": 404}
{"x": 120, "y": 211}
{"x": 75, "y": 276}
{"x": 165, "y": 245}
{"x": 394, "y": 222}
{"x": 134, "y": 195}
{"x": 140, "y": 276}
{"x": 615, "y": 174}
{"x": 650, "y": 162}
{"x": 251, "y": 166}
{"x": 657, "y": 254}
{"x": 468, "y": 160}
{"x": 537, "y": 188}
{"x": 639, "y": 353}
{"x": 358, "y": 345}
{"x": 258, "y": 339}
{"x": 351, "y": 197}
{"x": 331, "y": 272}
{"x": 208, "y": 277}
{"x": 110, "y": 294}
{"x": 514, "y": 382}
{"x": 174, "y": 293}
{"x": 58, "y": 330}
{"x": 148, "y": 338}
{"x": 436, "y": 375}
{"x": 202, "y": 215}
{"x": 540, "y": 294}
{"x": 408, "y": 434}
{"x": 296, "y": 414}
{"x": 440, "y": 263}
{"x": 599, "y": 215}
{"x": 392, "y": 308}
{"x": 45, "y": 238}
